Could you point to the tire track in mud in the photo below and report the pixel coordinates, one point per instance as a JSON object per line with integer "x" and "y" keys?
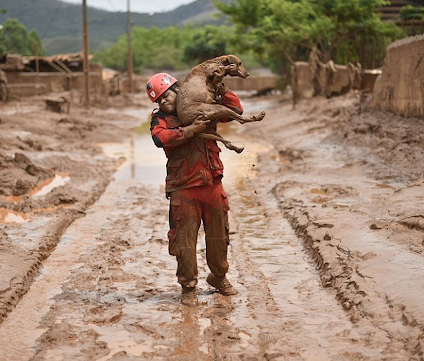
{"x": 283, "y": 295}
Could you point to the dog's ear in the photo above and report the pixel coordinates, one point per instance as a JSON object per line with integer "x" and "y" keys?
{"x": 228, "y": 59}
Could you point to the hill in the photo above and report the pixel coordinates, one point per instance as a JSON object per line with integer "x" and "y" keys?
{"x": 59, "y": 24}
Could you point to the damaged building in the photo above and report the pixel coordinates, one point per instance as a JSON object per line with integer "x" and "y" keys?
{"x": 33, "y": 75}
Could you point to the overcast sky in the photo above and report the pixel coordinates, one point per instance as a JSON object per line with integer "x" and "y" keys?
{"x": 136, "y": 6}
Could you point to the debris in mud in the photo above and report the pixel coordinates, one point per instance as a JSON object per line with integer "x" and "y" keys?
{"x": 58, "y": 105}
{"x": 414, "y": 222}
{"x": 18, "y": 175}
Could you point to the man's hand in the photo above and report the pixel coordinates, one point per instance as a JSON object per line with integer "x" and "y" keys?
{"x": 198, "y": 126}
{"x": 221, "y": 89}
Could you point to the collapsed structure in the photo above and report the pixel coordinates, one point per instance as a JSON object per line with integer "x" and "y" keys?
{"x": 33, "y": 75}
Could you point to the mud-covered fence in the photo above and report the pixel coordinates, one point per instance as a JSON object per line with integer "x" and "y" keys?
{"x": 22, "y": 84}
{"x": 328, "y": 79}
{"x": 252, "y": 83}
{"x": 400, "y": 88}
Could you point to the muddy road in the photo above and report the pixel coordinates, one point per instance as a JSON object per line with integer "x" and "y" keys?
{"x": 326, "y": 239}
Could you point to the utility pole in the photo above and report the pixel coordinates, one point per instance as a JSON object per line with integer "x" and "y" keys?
{"x": 37, "y": 68}
{"x": 130, "y": 55}
{"x": 85, "y": 61}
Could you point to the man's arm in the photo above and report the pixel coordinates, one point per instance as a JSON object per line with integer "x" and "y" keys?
{"x": 170, "y": 137}
{"x": 198, "y": 126}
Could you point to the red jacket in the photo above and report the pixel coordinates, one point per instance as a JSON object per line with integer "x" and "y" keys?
{"x": 191, "y": 162}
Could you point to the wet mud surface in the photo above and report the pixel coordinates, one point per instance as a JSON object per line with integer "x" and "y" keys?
{"x": 326, "y": 238}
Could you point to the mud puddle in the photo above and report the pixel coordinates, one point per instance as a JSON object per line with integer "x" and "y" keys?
{"x": 42, "y": 189}
{"x": 109, "y": 288}
{"x": 9, "y": 216}
{"x": 144, "y": 161}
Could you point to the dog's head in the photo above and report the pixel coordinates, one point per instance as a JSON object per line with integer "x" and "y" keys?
{"x": 237, "y": 70}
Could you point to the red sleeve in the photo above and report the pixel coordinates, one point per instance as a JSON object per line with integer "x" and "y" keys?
{"x": 162, "y": 135}
{"x": 230, "y": 100}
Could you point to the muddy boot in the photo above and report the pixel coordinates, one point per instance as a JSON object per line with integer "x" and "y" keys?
{"x": 189, "y": 297}
{"x": 223, "y": 286}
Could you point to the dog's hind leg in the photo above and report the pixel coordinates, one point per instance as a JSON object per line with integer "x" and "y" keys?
{"x": 215, "y": 136}
{"x": 253, "y": 118}
{"x": 218, "y": 111}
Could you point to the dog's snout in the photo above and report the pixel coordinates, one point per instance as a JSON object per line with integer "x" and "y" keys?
{"x": 244, "y": 73}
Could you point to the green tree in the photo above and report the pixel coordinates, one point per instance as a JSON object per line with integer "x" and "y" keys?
{"x": 206, "y": 42}
{"x": 152, "y": 48}
{"x": 173, "y": 48}
{"x": 410, "y": 12}
{"x": 286, "y": 30}
{"x": 15, "y": 39}
{"x": 35, "y": 44}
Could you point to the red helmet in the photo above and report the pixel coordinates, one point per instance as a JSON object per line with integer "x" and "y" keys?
{"x": 159, "y": 84}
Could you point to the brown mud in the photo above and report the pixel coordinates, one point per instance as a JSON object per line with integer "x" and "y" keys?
{"x": 326, "y": 237}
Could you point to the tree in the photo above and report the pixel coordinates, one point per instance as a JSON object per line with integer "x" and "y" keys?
{"x": 15, "y": 39}
{"x": 173, "y": 48}
{"x": 410, "y": 12}
{"x": 206, "y": 43}
{"x": 153, "y": 48}
{"x": 286, "y": 30}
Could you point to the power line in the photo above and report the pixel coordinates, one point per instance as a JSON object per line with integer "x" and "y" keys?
{"x": 111, "y": 5}
{"x": 52, "y": 18}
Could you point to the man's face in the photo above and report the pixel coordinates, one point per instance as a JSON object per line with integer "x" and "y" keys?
{"x": 168, "y": 102}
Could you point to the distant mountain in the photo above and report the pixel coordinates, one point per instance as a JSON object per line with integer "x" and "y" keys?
{"x": 59, "y": 24}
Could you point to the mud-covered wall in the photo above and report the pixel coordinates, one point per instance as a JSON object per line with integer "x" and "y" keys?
{"x": 400, "y": 88}
{"x": 251, "y": 83}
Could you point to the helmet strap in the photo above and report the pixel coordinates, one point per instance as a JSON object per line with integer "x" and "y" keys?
{"x": 173, "y": 87}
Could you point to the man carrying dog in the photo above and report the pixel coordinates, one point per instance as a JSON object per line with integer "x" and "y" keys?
{"x": 193, "y": 185}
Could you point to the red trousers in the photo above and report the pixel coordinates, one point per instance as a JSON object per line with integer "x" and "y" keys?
{"x": 188, "y": 208}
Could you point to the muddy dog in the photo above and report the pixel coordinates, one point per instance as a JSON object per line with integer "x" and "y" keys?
{"x": 197, "y": 96}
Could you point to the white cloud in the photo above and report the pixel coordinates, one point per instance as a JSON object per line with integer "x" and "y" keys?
{"x": 139, "y": 6}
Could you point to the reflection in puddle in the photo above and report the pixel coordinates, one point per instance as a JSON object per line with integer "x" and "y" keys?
{"x": 9, "y": 216}
{"x": 42, "y": 189}
{"x": 46, "y": 186}
{"x": 144, "y": 161}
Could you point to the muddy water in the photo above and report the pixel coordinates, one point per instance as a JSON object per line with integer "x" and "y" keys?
{"x": 9, "y": 216}
{"x": 109, "y": 289}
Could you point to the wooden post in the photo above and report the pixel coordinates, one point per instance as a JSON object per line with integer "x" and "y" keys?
{"x": 86, "y": 61}
{"x": 37, "y": 69}
{"x": 130, "y": 55}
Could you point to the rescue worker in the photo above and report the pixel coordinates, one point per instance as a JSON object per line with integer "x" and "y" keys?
{"x": 193, "y": 185}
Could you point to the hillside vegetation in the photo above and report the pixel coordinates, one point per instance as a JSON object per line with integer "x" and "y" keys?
{"x": 59, "y": 24}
